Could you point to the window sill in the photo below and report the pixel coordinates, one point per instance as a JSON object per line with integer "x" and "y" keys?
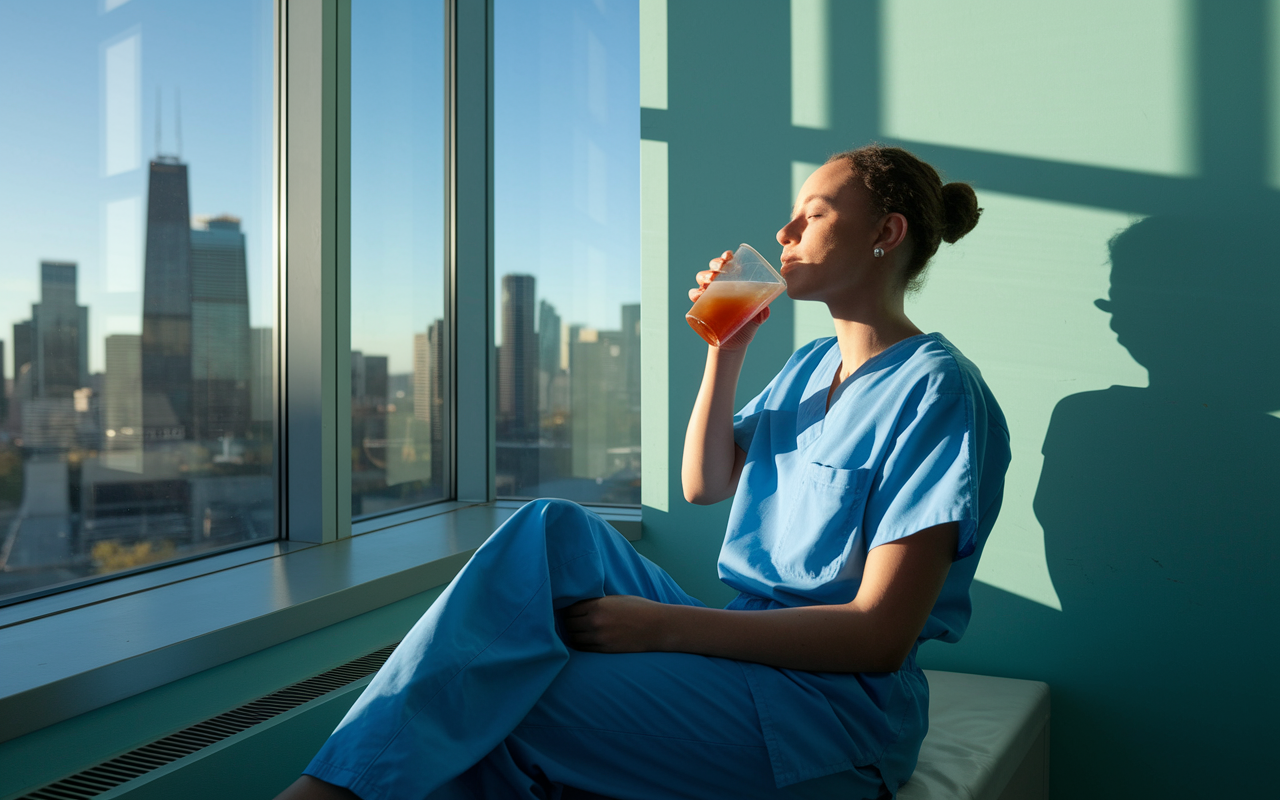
{"x": 82, "y": 650}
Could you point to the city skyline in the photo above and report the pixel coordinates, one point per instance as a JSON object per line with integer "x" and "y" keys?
{"x": 76, "y": 173}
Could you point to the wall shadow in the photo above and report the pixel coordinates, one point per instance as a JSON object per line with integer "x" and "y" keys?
{"x": 1160, "y": 509}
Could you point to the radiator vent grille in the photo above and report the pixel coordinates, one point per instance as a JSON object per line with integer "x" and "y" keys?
{"x": 136, "y": 763}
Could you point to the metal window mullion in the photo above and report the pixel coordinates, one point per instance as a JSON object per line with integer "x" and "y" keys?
{"x": 471, "y": 247}
{"x": 315, "y": 298}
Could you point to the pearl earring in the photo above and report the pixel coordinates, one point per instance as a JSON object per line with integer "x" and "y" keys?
{"x": 878, "y": 252}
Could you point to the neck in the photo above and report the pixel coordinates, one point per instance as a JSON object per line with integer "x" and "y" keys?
{"x": 865, "y": 329}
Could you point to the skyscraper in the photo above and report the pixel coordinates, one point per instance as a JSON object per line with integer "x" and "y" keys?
{"x": 548, "y": 355}
{"x": 166, "y": 305}
{"x": 122, "y": 403}
{"x": 54, "y": 348}
{"x": 23, "y": 346}
{"x": 518, "y": 361}
{"x": 219, "y": 331}
{"x": 60, "y": 333}
{"x": 428, "y": 378}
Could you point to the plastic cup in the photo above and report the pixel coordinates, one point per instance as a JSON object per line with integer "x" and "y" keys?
{"x": 745, "y": 286}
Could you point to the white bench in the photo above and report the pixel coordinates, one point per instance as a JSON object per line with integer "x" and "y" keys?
{"x": 988, "y": 740}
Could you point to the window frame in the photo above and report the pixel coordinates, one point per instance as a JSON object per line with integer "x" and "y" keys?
{"x": 291, "y": 586}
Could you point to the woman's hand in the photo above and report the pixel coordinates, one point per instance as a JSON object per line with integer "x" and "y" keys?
{"x": 743, "y": 337}
{"x": 617, "y": 623}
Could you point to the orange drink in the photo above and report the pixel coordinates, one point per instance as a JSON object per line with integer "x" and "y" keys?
{"x": 726, "y": 306}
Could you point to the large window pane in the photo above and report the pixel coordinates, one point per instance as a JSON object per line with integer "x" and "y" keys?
{"x": 398, "y": 408}
{"x": 567, "y": 249}
{"x": 137, "y": 280}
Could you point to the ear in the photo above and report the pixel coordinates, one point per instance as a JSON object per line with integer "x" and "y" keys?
{"x": 893, "y": 229}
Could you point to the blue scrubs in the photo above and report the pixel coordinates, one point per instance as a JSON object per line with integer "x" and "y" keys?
{"x": 483, "y": 699}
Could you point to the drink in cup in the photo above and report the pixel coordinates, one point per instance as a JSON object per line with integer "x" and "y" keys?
{"x": 739, "y": 291}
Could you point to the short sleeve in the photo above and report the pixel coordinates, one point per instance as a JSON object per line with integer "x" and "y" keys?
{"x": 747, "y": 419}
{"x": 927, "y": 477}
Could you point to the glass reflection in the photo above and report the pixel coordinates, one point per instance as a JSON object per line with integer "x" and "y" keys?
{"x": 398, "y": 358}
{"x": 137, "y": 279}
{"x": 566, "y": 208}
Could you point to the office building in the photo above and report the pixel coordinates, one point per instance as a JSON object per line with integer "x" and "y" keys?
{"x": 122, "y": 403}
{"x": 166, "y": 305}
{"x": 549, "y": 366}
{"x": 54, "y": 350}
{"x": 518, "y": 361}
{"x": 518, "y": 419}
{"x": 220, "y": 362}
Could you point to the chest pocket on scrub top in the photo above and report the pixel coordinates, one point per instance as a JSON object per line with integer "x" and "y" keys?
{"x": 825, "y": 509}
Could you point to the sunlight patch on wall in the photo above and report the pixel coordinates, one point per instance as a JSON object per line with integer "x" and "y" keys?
{"x": 811, "y": 320}
{"x": 654, "y": 285}
{"x": 653, "y": 54}
{"x": 1089, "y": 82}
{"x": 810, "y": 64}
{"x": 1016, "y": 296}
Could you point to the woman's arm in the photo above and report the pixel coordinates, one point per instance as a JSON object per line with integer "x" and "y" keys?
{"x": 712, "y": 462}
{"x": 873, "y": 633}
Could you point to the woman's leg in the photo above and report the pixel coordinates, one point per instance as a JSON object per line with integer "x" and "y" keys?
{"x": 476, "y": 663}
{"x": 643, "y": 725}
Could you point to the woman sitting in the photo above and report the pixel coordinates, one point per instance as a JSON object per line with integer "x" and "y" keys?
{"x": 865, "y": 479}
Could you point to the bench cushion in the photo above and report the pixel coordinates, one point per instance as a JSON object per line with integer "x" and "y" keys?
{"x": 980, "y": 730}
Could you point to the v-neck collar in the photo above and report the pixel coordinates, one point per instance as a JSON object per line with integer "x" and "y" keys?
{"x": 831, "y": 362}
{"x": 812, "y": 415}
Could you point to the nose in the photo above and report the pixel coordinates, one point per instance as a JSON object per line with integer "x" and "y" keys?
{"x": 789, "y": 233}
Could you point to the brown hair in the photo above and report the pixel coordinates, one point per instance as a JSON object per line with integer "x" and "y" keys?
{"x": 900, "y": 182}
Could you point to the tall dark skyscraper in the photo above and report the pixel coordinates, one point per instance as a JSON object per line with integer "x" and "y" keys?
{"x": 166, "y": 305}
{"x": 518, "y": 361}
{"x": 518, "y": 417}
{"x": 219, "y": 331}
{"x": 23, "y": 346}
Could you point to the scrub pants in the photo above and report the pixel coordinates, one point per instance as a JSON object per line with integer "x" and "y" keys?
{"x": 482, "y": 699}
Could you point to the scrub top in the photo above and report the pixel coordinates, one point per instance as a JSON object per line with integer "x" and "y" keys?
{"x": 912, "y": 439}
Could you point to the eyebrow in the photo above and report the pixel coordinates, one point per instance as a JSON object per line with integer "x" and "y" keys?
{"x": 824, "y": 197}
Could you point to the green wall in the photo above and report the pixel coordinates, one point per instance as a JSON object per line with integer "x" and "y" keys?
{"x": 1131, "y": 562}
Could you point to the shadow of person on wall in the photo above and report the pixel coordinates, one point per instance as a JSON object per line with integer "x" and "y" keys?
{"x": 1161, "y": 513}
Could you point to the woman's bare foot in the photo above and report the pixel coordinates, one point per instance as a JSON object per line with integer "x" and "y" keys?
{"x": 309, "y": 788}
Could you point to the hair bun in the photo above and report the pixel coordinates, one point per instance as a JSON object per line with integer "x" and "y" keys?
{"x": 960, "y": 211}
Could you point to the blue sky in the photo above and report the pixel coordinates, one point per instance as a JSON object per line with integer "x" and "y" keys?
{"x": 566, "y": 152}
{"x": 566, "y": 162}
{"x": 53, "y": 204}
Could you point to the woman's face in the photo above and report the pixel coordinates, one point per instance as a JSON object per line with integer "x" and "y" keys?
{"x": 826, "y": 247}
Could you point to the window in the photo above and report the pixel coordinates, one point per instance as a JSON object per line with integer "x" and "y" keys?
{"x": 137, "y": 286}
{"x": 399, "y": 406}
{"x": 567, "y": 250}
{"x": 155, "y": 408}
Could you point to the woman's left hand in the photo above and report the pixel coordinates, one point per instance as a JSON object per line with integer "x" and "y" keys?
{"x": 616, "y": 623}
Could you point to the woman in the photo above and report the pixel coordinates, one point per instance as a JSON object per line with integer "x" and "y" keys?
{"x": 865, "y": 479}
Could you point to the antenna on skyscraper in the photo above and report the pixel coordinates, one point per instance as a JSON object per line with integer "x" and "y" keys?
{"x": 177, "y": 101}
{"x": 158, "y": 100}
